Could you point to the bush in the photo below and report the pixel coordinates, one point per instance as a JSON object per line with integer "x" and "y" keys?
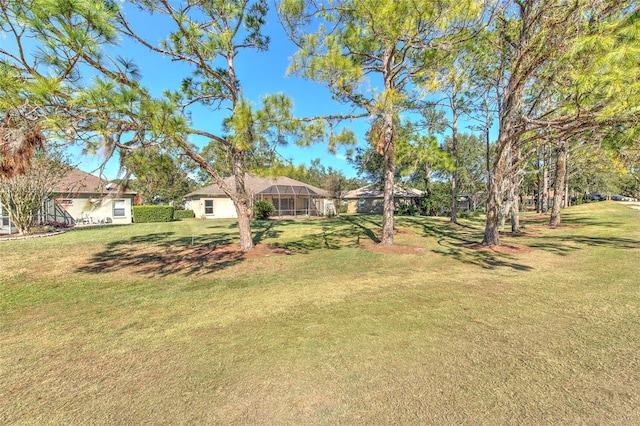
{"x": 407, "y": 209}
{"x": 438, "y": 200}
{"x": 183, "y": 214}
{"x": 145, "y": 214}
{"x": 469, "y": 214}
{"x": 56, "y": 225}
{"x": 263, "y": 210}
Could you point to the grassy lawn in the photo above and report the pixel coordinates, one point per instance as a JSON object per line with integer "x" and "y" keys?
{"x": 151, "y": 324}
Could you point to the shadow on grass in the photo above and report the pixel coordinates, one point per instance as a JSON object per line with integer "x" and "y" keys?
{"x": 335, "y": 234}
{"x": 587, "y": 221}
{"x": 163, "y": 254}
{"x": 455, "y": 241}
{"x": 551, "y": 243}
{"x": 166, "y": 253}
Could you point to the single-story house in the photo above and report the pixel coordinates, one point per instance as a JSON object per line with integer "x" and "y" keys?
{"x": 81, "y": 197}
{"x": 289, "y": 196}
{"x": 370, "y": 198}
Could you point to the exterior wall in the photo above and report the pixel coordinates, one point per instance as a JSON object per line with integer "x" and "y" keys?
{"x": 365, "y": 205}
{"x": 82, "y": 209}
{"x": 223, "y": 207}
{"x": 373, "y": 205}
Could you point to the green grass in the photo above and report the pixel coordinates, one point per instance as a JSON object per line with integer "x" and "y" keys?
{"x": 137, "y": 325}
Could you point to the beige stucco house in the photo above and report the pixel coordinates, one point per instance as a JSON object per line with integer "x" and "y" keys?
{"x": 81, "y": 197}
{"x": 370, "y": 198}
{"x": 289, "y": 196}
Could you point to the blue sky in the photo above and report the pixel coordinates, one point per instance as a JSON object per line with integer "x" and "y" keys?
{"x": 260, "y": 73}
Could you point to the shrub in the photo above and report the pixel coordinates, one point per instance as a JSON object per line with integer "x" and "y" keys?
{"x": 145, "y": 214}
{"x": 183, "y": 214}
{"x": 263, "y": 210}
{"x": 56, "y": 225}
{"x": 408, "y": 209}
{"x": 468, "y": 214}
{"x": 438, "y": 200}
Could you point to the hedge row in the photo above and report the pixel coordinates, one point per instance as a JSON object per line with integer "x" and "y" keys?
{"x": 145, "y": 214}
{"x": 183, "y": 214}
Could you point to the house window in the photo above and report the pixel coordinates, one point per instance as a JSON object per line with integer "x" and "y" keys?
{"x": 66, "y": 202}
{"x": 208, "y": 207}
{"x": 361, "y": 202}
{"x": 119, "y": 208}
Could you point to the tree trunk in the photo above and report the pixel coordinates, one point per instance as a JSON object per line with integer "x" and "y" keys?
{"x": 567, "y": 198}
{"x": 514, "y": 189}
{"x": 515, "y": 217}
{"x": 511, "y": 99}
{"x": 244, "y": 225}
{"x": 389, "y": 135}
{"x": 545, "y": 181}
{"x": 389, "y": 169}
{"x": 242, "y": 202}
{"x": 491, "y": 232}
{"x": 454, "y": 175}
{"x": 538, "y": 183}
{"x": 494, "y": 201}
{"x": 561, "y": 170}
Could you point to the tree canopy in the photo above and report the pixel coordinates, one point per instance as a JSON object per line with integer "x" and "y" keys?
{"x": 556, "y": 76}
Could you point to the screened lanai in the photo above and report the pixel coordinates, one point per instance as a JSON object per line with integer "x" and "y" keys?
{"x": 293, "y": 200}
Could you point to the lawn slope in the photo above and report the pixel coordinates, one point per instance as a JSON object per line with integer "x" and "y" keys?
{"x": 157, "y": 324}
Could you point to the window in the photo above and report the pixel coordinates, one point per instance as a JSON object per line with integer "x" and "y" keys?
{"x": 66, "y": 202}
{"x": 119, "y": 208}
{"x": 208, "y": 207}
{"x": 361, "y": 202}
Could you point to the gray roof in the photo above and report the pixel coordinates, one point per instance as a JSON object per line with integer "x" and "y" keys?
{"x": 256, "y": 185}
{"x": 377, "y": 191}
{"x": 288, "y": 190}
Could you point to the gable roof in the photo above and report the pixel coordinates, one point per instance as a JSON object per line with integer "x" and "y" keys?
{"x": 262, "y": 185}
{"x": 78, "y": 182}
{"x": 377, "y": 191}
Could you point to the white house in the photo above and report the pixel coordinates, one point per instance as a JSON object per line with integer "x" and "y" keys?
{"x": 81, "y": 197}
{"x": 289, "y": 196}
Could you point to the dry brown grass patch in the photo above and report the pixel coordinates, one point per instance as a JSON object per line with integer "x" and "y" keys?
{"x": 504, "y": 248}
{"x": 521, "y": 234}
{"x": 540, "y": 217}
{"x": 393, "y": 249}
